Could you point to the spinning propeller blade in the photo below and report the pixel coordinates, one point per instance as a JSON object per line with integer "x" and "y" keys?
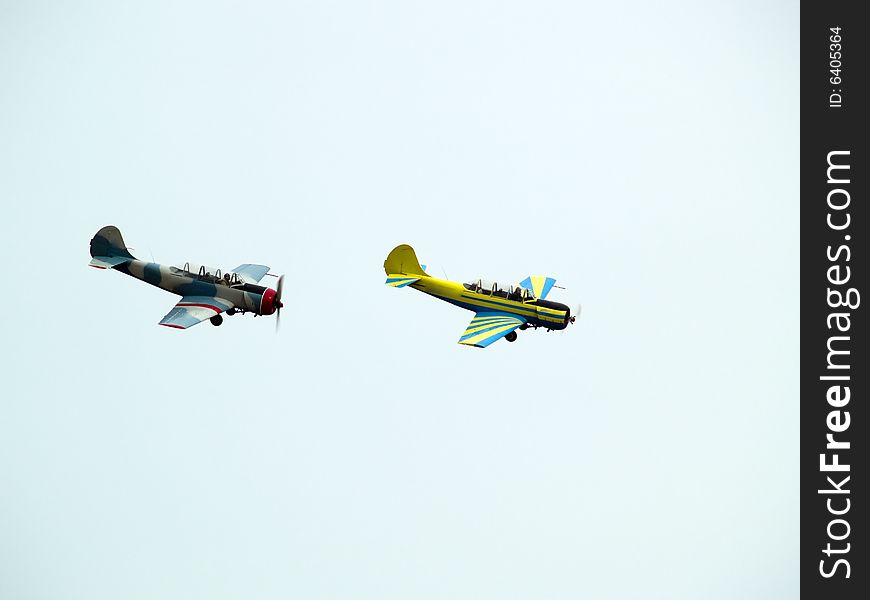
{"x": 575, "y": 313}
{"x": 278, "y": 303}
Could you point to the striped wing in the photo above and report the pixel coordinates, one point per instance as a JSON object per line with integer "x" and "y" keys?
{"x": 539, "y": 285}
{"x": 191, "y": 310}
{"x": 488, "y": 327}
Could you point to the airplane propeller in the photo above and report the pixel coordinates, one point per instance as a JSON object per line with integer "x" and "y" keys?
{"x": 278, "y": 303}
{"x": 575, "y": 313}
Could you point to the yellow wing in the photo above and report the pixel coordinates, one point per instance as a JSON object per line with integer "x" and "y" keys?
{"x": 488, "y": 327}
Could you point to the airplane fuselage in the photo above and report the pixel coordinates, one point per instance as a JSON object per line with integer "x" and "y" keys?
{"x": 537, "y": 313}
{"x": 244, "y": 296}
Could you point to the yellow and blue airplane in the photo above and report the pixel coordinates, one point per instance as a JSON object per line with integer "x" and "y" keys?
{"x": 500, "y": 312}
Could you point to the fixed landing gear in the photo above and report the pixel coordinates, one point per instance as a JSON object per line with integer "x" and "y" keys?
{"x": 511, "y": 337}
{"x": 216, "y": 320}
{"x": 231, "y": 312}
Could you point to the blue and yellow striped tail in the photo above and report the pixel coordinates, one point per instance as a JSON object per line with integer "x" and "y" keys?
{"x": 400, "y": 280}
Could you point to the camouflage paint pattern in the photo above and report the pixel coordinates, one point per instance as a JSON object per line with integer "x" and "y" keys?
{"x": 109, "y": 252}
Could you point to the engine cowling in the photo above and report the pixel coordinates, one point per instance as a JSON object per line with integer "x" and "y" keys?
{"x": 545, "y": 316}
{"x": 268, "y": 305}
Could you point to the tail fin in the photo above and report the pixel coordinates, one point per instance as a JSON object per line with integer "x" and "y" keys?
{"x": 108, "y": 249}
{"x": 403, "y": 261}
{"x": 108, "y": 242}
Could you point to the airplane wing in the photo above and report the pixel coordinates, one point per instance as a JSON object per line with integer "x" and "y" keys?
{"x": 488, "y": 327}
{"x": 251, "y": 273}
{"x": 539, "y": 285}
{"x": 191, "y": 310}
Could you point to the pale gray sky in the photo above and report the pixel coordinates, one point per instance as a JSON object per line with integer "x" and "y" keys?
{"x": 646, "y": 155}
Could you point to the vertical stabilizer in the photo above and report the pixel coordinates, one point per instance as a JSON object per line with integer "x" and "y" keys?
{"x": 402, "y": 260}
{"x": 108, "y": 243}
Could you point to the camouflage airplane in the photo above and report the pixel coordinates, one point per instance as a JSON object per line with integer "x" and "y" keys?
{"x": 205, "y": 293}
{"x": 500, "y": 312}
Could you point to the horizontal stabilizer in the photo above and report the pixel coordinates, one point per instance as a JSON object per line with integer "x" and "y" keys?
{"x": 108, "y": 262}
{"x": 539, "y": 285}
{"x": 400, "y": 280}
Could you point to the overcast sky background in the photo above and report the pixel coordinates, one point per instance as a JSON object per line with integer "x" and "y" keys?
{"x": 644, "y": 154}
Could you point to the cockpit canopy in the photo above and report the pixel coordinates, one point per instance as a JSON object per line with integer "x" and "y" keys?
{"x": 491, "y": 288}
{"x": 207, "y": 273}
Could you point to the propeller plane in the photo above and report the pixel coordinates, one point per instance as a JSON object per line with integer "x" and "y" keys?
{"x": 499, "y": 311}
{"x": 205, "y": 294}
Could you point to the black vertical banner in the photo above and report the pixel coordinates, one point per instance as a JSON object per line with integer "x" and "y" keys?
{"x": 835, "y": 379}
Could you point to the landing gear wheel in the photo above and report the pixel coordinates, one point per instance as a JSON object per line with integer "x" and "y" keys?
{"x": 524, "y": 326}
{"x": 231, "y": 312}
{"x": 216, "y": 320}
{"x": 511, "y": 337}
